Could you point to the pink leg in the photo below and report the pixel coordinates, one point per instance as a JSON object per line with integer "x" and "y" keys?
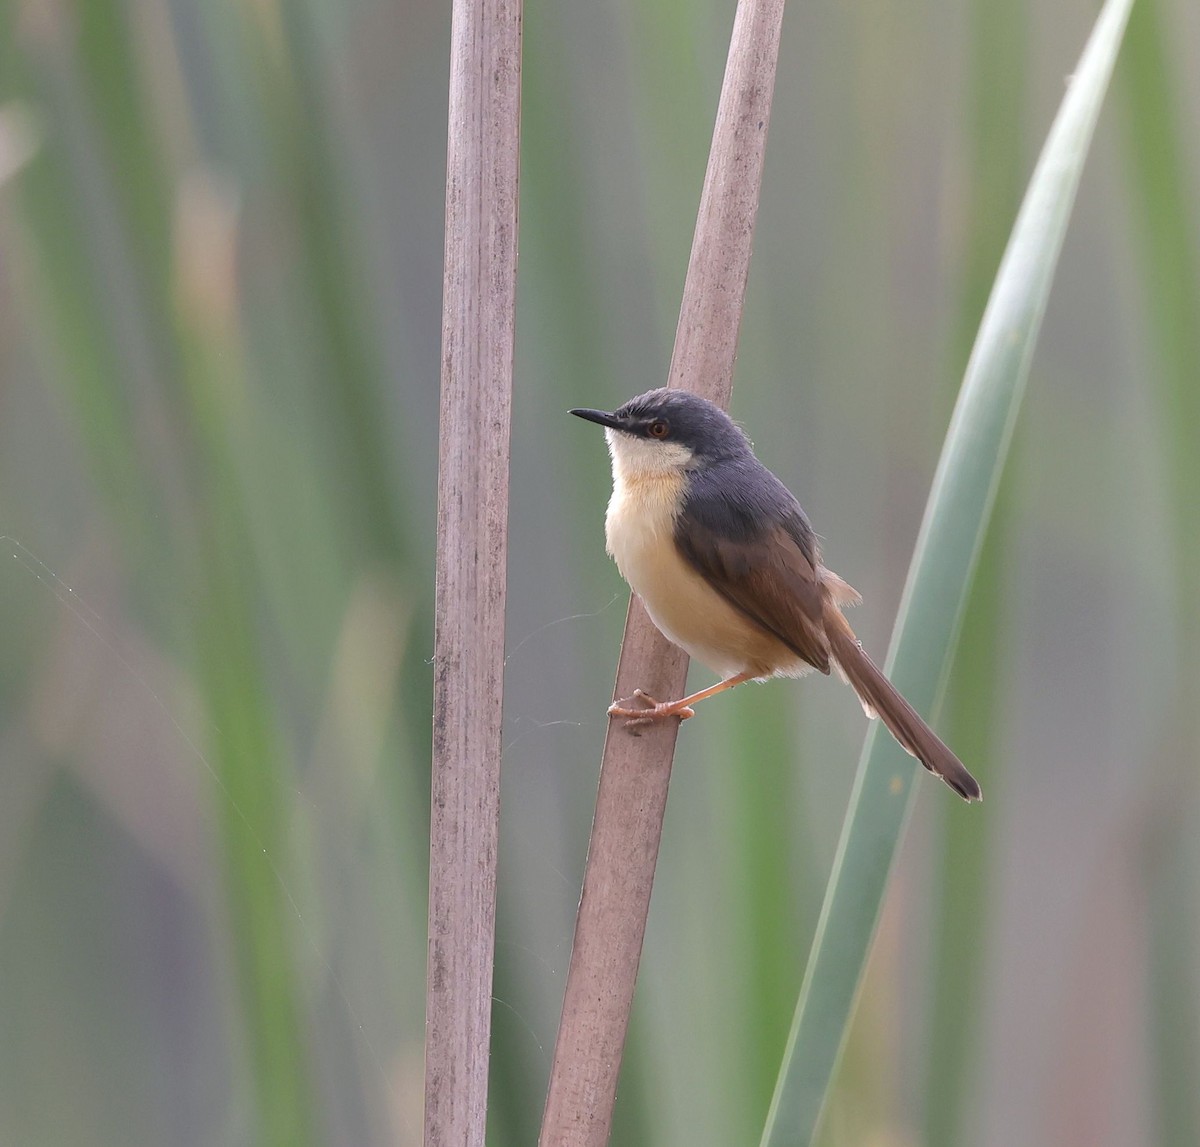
{"x": 660, "y": 710}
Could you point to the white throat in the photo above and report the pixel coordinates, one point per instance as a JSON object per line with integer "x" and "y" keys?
{"x": 634, "y": 457}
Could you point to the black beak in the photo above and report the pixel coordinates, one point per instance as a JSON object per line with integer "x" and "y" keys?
{"x": 600, "y": 416}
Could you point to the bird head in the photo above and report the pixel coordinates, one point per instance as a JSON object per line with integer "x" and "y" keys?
{"x": 667, "y": 431}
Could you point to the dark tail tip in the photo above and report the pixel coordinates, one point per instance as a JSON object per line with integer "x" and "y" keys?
{"x": 963, "y": 783}
{"x": 901, "y": 719}
{"x": 924, "y": 744}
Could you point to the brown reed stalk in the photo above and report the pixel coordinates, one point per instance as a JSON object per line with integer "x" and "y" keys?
{"x": 472, "y": 541}
{"x": 636, "y": 771}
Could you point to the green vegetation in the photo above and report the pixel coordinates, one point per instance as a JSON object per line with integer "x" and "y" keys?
{"x": 220, "y": 246}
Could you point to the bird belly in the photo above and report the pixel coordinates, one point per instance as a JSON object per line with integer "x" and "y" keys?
{"x": 640, "y": 532}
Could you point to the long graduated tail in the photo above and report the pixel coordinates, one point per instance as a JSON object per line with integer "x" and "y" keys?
{"x": 880, "y": 696}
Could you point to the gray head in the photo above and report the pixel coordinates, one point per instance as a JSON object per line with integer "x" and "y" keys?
{"x": 669, "y": 429}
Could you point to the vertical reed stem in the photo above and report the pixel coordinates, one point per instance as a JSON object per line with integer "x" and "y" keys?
{"x": 636, "y": 771}
{"x": 472, "y": 541}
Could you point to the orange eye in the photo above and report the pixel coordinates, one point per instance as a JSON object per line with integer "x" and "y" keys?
{"x": 658, "y": 430}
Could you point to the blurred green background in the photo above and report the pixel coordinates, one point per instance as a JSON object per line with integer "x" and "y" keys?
{"x": 220, "y": 285}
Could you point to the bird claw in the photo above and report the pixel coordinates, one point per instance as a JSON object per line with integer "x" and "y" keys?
{"x": 653, "y": 710}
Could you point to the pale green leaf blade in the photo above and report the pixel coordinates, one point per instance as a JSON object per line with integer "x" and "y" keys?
{"x": 951, "y": 535}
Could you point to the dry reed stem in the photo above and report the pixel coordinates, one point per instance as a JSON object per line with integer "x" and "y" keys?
{"x": 472, "y": 540}
{"x": 636, "y": 771}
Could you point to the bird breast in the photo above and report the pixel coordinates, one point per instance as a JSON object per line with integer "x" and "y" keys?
{"x": 640, "y": 532}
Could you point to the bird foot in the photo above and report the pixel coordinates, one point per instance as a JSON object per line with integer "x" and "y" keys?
{"x": 651, "y": 710}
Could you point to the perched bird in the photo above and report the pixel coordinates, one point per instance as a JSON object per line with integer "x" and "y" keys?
{"x": 728, "y": 567}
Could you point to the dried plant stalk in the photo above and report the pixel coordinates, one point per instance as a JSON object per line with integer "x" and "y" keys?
{"x": 472, "y": 541}
{"x": 636, "y": 771}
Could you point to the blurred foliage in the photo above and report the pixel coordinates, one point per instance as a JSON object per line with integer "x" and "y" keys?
{"x": 220, "y": 244}
{"x": 1168, "y": 244}
{"x": 920, "y": 655}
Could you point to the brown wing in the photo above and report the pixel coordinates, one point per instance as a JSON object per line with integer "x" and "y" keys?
{"x": 770, "y": 579}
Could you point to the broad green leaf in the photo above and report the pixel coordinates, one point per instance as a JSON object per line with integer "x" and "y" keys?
{"x": 952, "y": 533}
